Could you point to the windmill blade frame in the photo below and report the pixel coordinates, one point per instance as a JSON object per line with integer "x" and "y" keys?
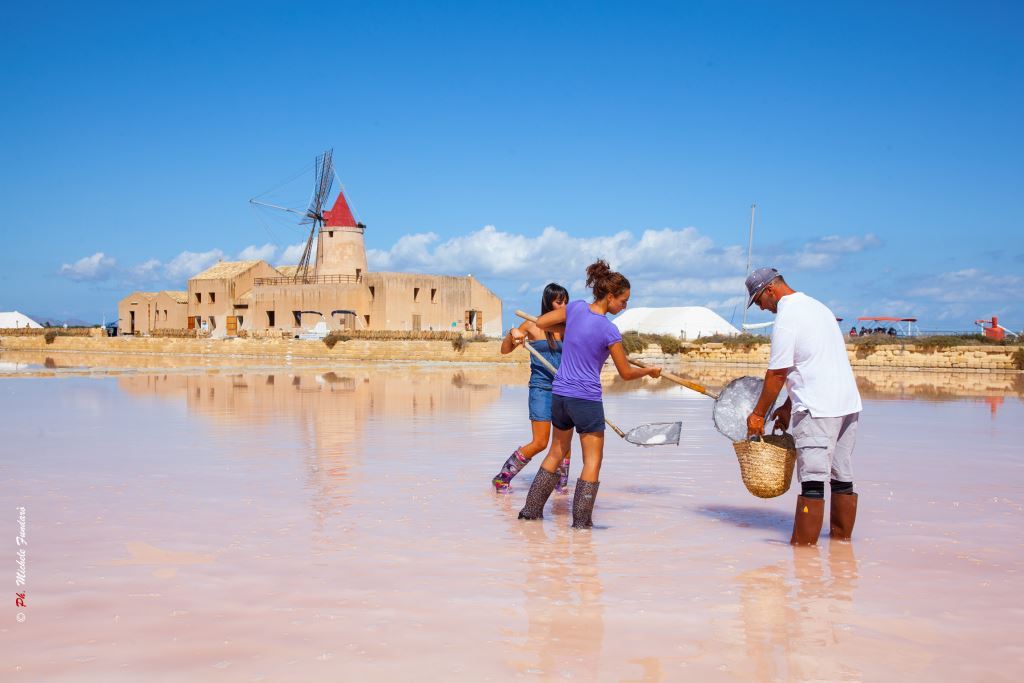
{"x": 314, "y": 215}
{"x": 322, "y": 184}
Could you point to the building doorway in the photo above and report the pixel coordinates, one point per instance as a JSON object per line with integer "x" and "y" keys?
{"x": 474, "y": 321}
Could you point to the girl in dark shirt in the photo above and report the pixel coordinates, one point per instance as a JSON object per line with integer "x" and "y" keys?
{"x": 549, "y": 345}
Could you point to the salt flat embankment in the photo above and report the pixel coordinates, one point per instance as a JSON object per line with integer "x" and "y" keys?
{"x": 895, "y": 356}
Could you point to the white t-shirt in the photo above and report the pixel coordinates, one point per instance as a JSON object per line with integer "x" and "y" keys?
{"x": 807, "y": 339}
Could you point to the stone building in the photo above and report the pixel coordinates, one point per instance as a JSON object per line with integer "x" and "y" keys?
{"x": 135, "y": 313}
{"x": 215, "y": 300}
{"x": 171, "y": 310}
{"x": 253, "y": 296}
{"x": 143, "y": 312}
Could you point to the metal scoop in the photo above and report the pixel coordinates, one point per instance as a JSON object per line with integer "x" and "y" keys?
{"x": 651, "y": 434}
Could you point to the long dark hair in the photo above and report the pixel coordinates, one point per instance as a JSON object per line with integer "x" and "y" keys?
{"x": 552, "y": 293}
{"x": 604, "y": 281}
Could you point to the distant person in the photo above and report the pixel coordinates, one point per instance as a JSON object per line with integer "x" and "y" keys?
{"x": 853, "y": 332}
{"x": 808, "y": 356}
{"x": 863, "y": 331}
{"x": 549, "y": 345}
{"x": 576, "y": 392}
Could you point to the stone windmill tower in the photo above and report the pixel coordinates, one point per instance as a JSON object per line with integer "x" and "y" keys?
{"x": 340, "y": 248}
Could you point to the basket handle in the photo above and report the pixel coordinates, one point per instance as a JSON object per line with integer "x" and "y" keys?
{"x": 776, "y": 427}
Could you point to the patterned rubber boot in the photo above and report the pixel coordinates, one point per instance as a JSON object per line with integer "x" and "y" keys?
{"x": 583, "y": 503}
{"x": 563, "y": 477}
{"x": 539, "y": 493}
{"x": 516, "y": 461}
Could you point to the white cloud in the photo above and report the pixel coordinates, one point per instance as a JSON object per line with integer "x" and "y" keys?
{"x": 826, "y": 251}
{"x": 97, "y": 267}
{"x": 726, "y": 304}
{"x": 968, "y": 286}
{"x": 255, "y": 253}
{"x": 147, "y": 270}
{"x": 667, "y": 267}
{"x": 489, "y": 252}
{"x": 835, "y": 244}
{"x": 292, "y": 253}
{"x": 188, "y": 263}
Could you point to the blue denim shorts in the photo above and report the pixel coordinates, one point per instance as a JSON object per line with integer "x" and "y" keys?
{"x": 586, "y": 416}
{"x": 540, "y": 404}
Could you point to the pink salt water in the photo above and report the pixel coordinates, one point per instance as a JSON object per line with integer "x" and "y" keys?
{"x": 297, "y": 525}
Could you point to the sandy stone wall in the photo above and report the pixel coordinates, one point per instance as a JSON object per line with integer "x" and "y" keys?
{"x": 874, "y": 382}
{"x": 975, "y": 358}
{"x": 40, "y": 332}
{"x": 998, "y": 358}
{"x": 354, "y": 349}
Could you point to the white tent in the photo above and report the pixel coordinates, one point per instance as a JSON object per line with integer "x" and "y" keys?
{"x": 685, "y": 322}
{"x": 13, "y": 319}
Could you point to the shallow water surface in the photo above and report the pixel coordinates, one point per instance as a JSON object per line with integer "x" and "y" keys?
{"x": 295, "y": 525}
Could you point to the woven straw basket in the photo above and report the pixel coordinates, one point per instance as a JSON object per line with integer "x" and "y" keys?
{"x": 767, "y": 465}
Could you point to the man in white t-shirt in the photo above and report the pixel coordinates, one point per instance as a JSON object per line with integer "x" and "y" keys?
{"x": 808, "y": 356}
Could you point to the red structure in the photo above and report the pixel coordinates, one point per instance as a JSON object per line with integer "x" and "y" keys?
{"x": 340, "y": 216}
{"x": 994, "y": 329}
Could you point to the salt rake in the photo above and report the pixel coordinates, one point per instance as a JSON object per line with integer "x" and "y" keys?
{"x": 646, "y": 435}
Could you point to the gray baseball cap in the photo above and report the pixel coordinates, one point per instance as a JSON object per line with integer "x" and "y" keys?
{"x": 758, "y": 280}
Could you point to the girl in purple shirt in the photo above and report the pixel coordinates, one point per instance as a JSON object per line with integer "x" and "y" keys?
{"x": 576, "y": 392}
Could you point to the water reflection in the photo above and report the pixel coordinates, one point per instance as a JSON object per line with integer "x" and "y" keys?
{"x": 794, "y": 616}
{"x": 326, "y": 414}
{"x": 563, "y": 597}
{"x": 339, "y": 525}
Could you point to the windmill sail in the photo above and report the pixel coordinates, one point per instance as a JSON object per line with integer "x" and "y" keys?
{"x": 315, "y": 212}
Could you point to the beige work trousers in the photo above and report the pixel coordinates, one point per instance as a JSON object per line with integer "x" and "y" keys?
{"x": 824, "y": 446}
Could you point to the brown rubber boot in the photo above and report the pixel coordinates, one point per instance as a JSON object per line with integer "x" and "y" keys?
{"x": 810, "y": 512}
{"x": 543, "y": 484}
{"x": 583, "y": 503}
{"x": 842, "y": 515}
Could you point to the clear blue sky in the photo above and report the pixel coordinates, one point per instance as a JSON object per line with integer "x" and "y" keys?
{"x": 882, "y": 143}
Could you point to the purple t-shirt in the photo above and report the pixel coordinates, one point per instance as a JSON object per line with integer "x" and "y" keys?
{"x": 584, "y": 351}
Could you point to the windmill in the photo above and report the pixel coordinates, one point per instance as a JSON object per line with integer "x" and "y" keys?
{"x": 314, "y": 214}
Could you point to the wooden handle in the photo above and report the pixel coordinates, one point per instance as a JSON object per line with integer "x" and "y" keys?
{"x": 614, "y": 428}
{"x": 541, "y": 359}
{"x": 699, "y": 388}
{"x": 526, "y": 316}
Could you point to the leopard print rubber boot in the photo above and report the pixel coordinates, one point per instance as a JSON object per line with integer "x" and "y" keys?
{"x": 583, "y": 503}
{"x": 540, "y": 491}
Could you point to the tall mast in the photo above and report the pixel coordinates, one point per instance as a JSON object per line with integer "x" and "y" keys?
{"x": 750, "y": 249}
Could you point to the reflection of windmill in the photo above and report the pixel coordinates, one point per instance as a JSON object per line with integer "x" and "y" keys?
{"x": 314, "y": 215}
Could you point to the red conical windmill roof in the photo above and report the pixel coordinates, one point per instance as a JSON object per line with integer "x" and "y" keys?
{"x": 340, "y": 216}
